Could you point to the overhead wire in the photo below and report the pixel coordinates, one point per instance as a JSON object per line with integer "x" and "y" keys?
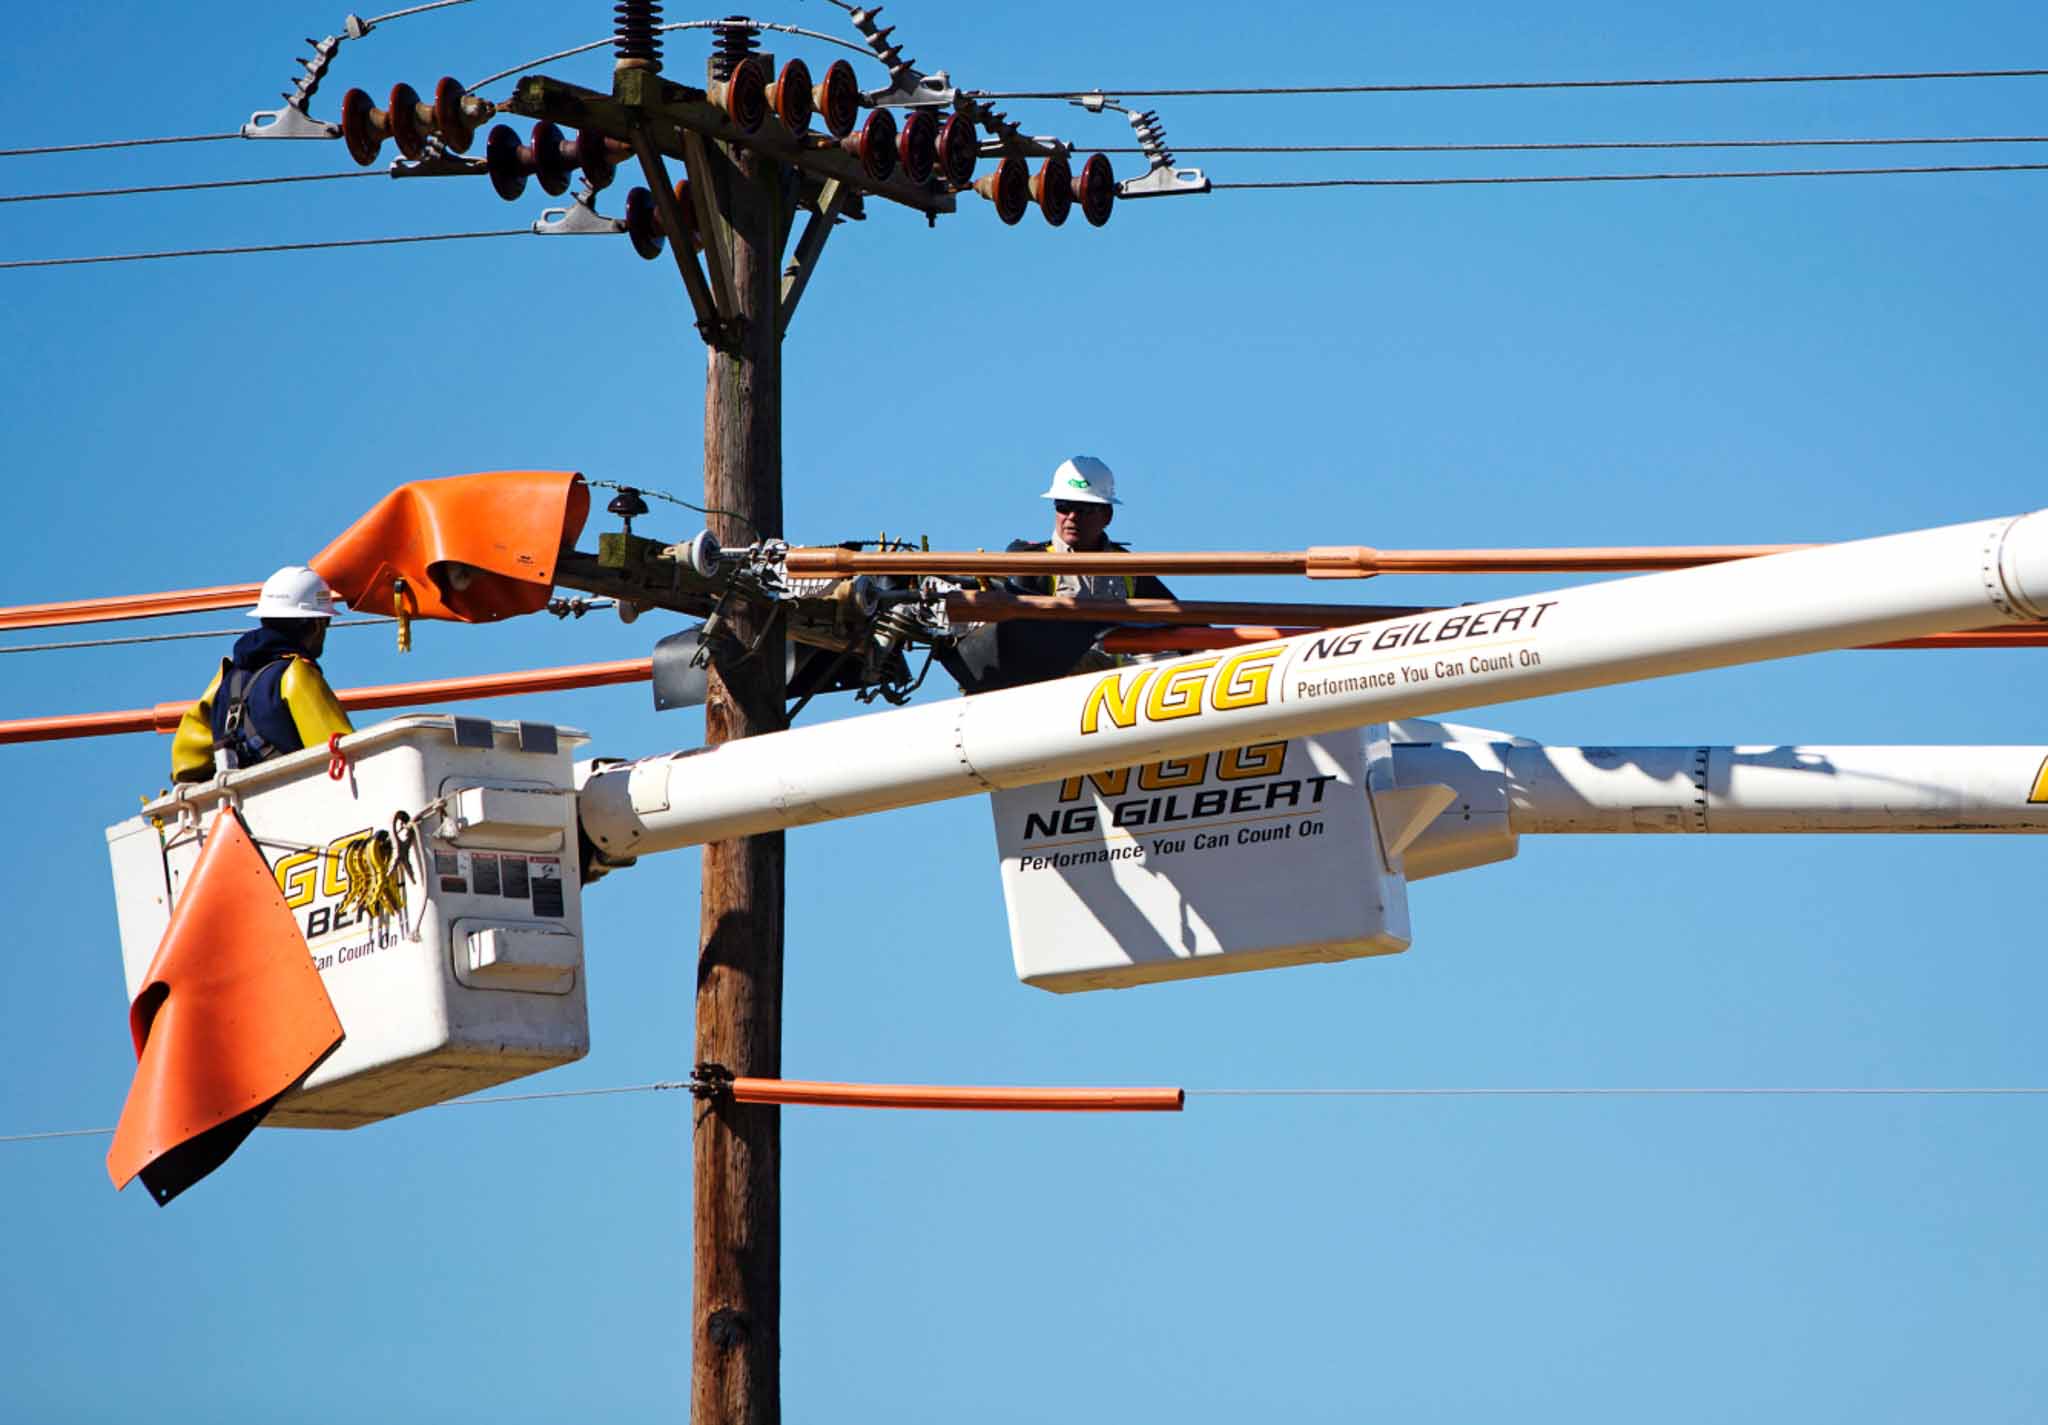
{"x": 264, "y": 247}
{"x": 1503, "y": 179}
{"x": 413, "y": 10}
{"x": 187, "y": 187}
{"x": 671, "y": 27}
{"x": 368, "y": 25}
{"x": 1827, "y": 1091}
{"x": 116, "y": 143}
{"x": 169, "y": 637}
{"x": 1496, "y": 86}
{"x": 1577, "y": 147}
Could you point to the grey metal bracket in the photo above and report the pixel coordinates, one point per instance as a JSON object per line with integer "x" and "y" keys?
{"x": 1163, "y": 178}
{"x": 581, "y": 216}
{"x": 924, "y": 91}
{"x": 832, "y": 198}
{"x": 293, "y": 121}
{"x": 439, "y": 163}
{"x": 1163, "y": 181}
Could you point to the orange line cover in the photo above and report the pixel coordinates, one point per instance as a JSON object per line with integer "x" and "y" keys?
{"x": 801, "y": 1091}
{"x": 231, "y": 1015}
{"x": 475, "y": 548}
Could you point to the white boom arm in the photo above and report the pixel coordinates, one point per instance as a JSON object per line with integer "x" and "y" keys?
{"x": 1978, "y": 575}
{"x": 1506, "y": 790}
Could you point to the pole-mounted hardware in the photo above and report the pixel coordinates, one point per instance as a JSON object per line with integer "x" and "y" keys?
{"x": 452, "y": 119}
{"x": 294, "y": 121}
{"x": 551, "y": 159}
{"x": 1162, "y": 178}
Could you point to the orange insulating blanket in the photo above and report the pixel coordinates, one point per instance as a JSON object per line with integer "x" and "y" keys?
{"x": 231, "y": 1015}
{"x": 473, "y": 548}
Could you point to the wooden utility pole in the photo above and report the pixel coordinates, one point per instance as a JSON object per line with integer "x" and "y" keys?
{"x": 736, "y": 1199}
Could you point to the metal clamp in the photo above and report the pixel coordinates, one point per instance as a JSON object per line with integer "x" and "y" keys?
{"x": 1162, "y": 178}
{"x": 438, "y": 163}
{"x": 293, "y": 121}
{"x": 578, "y": 218}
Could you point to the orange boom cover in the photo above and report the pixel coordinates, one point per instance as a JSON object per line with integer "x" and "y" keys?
{"x": 474, "y": 548}
{"x": 231, "y": 1015}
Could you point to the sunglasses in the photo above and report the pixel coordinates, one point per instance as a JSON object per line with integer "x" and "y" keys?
{"x": 1075, "y": 507}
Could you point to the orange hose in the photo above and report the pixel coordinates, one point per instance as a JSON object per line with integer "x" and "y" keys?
{"x": 126, "y": 606}
{"x": 799, "y": 1091}
{"x": 1337, "y": 561}
{"x": 164, "y": 716}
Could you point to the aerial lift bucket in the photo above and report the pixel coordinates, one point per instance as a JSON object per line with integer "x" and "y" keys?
{"x": 429, "y": 870}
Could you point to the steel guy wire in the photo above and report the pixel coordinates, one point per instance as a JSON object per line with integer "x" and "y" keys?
{"x": 669, "y": 1086}
{"x": 665, "y": 29}
{"x": 1629, "y": 177}
{"x": 1491, "y": 86}
{"x": 186, "y": 187}
{"x": 1577, "y": 146}
{"x": 263, "y": 247}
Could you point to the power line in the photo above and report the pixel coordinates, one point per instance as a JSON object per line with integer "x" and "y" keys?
{"x": 264, "y": 247}
{"x": 662, "y": 1086}
{"x": 1631, "y": 177}
{"x": 1575, "y": 147}
{"x": 1499, "y": 85}
{"x": 1768, "y": 1092}
{"x": 414, "y": 10}
{"x": 186, "y": 187}
{"x": 569, "y": 609}
{"x": 684, "y": 1086}
{"x": 575, "y": 50}
{"x": 169, "y": 637}
{"x": 115, "y": 143}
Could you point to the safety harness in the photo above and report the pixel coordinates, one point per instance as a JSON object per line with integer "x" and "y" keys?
{"x": 237, "y": 743}
{"x": 1052, "y": 581}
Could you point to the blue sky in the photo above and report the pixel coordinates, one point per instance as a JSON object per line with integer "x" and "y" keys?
{"x": 1767, "y": 360}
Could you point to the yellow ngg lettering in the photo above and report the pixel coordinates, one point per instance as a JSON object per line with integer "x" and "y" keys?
{"x": 298, "y": 876}
{"x": 1173, "y": 772}
{"x": 1113, "y": 783}
{"x": 1179, "y": 693}
{"x": 1261, "y": 759}
{"x": 1111, "y": 696}
{"x": 1244, "y": 680}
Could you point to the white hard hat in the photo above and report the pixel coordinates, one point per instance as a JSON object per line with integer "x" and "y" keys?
{"x": 294, "y": 592}
{"x": 1083, "y": 477}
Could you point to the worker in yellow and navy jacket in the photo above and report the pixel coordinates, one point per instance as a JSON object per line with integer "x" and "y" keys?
{"x": 1008, "y": 654}
{"x": 269, "y": 697}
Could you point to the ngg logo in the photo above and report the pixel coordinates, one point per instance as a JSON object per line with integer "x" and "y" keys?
{"x": 1239, "y": 681}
